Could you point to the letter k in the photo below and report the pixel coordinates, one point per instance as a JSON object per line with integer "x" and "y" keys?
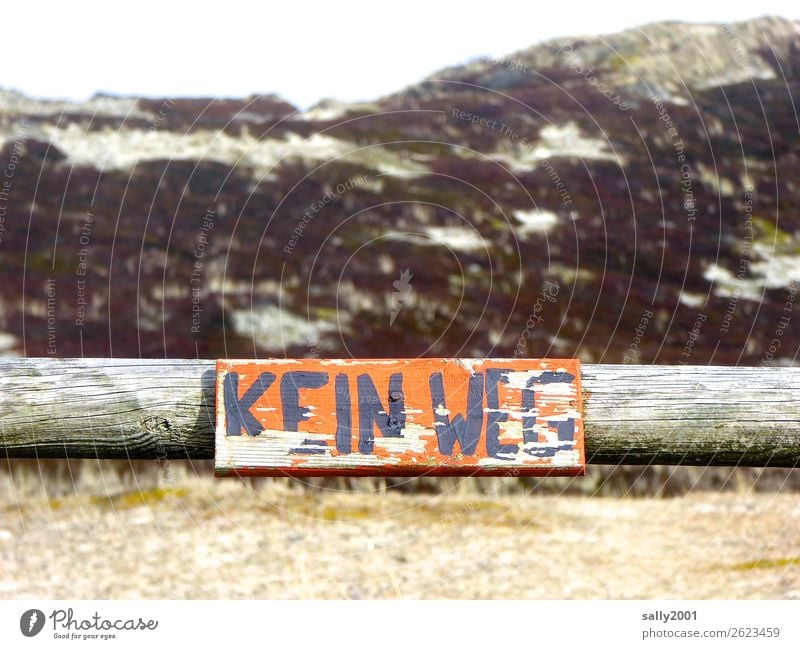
{"x": 237, "y": 411}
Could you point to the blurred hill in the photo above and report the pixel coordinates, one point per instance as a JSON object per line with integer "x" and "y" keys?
{"x": 646, "y": 181}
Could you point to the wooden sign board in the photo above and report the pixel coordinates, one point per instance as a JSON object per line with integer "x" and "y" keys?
{"x": 435, "y": 417}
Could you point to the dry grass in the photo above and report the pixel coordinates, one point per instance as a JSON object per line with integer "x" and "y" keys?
{"x": 56, "y": 478}
{"x": 136, "y": 535}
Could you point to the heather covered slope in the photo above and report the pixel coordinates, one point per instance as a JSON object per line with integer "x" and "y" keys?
{"x": 631, "y": 197}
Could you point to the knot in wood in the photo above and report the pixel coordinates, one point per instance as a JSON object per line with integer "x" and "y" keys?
{"x": 156, "y": 424}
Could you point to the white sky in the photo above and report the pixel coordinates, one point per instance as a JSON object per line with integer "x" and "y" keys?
{"x": 301, "y": 50}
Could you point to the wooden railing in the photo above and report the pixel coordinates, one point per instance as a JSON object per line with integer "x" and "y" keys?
{"x": 633, "y": 414}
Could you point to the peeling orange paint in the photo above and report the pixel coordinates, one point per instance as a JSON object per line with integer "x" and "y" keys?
{"x": 292, "y": 421}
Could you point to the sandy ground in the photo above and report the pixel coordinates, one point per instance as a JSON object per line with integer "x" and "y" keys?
{"x": 213, "y": 540}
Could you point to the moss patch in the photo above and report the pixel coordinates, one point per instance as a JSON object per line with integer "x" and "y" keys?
{"x": 766, "y": 564}
{"x": 138, "y": 498}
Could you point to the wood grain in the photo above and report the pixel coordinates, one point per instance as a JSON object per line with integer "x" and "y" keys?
{"x": 106, "y": 408}
{"x": 643, "y": 414}
{"x": 692, "y": 415}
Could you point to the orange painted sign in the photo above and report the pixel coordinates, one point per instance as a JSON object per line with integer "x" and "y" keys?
{"x": 313, "y": 417}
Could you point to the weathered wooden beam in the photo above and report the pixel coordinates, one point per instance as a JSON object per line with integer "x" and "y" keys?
{"x": 106, "y": 408}
{"x": 693, "y": 415}
{"x": 158, "y": 409}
